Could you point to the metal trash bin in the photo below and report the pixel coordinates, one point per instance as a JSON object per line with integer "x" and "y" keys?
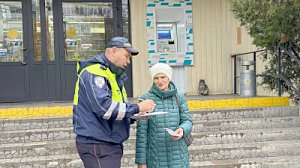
{"x": 247, "y": 79}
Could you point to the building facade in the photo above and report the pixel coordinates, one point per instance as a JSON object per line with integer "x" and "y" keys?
{"x": 41, "y": 40}
{"x": 216, "y": 36}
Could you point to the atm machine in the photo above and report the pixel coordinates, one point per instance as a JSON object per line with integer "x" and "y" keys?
{"x": 170, "y": 29}
{"x": 166, "y": 37}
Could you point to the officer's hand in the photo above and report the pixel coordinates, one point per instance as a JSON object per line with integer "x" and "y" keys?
{"x": 146, "y": 106}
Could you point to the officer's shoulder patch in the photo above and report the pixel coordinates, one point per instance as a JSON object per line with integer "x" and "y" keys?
{"x": 99, "y": 81}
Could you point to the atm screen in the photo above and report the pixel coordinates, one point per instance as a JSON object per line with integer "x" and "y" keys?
{"x": 164, "y": 34}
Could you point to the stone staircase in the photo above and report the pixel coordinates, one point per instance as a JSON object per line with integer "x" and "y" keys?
{"x": 266, "y": 137}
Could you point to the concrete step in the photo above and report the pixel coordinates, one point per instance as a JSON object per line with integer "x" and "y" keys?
{"x": 263, "y": 162}
{"x": 36, "y": 135}
{"x": 234, "y": 151}
{"x": 264, "y": 137}
{"x": 54, "y": 161}
{"x": 287, "y": 154}
{"x": 244, "y": 150}
{"x": 243, "y": 124}
{"x": 35, "y": 148}
{"x": 35, "y": 123}
{"x": 208, "y": 132}
{"x": 246, "y": 136}
{"x": 212, "y": 137}
{"x": 270, "y": 162}
{"x": 43, "y": 148}
{"x": 201, "y": 138}
{"x": 198, "y": 115}
{"x": 261, "y": 112}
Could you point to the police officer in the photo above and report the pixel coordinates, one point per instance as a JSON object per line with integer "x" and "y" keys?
{"x": 101, "y": 113}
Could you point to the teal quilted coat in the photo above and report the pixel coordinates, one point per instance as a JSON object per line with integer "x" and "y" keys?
{"x": 154, "y": 146}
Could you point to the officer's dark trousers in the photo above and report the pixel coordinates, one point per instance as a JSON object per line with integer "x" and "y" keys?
{"x": 100, "y": 155}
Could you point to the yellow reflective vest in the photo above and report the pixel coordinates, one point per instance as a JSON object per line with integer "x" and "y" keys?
{"x": 98, "y": 69}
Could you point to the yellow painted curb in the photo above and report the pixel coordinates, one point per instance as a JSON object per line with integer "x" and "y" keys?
{"x": 53, "y": 111}
{"x": 238, "y": 103}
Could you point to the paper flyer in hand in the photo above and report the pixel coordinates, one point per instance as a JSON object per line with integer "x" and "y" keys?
{"x": 171, "y": 132}
{"x": 150, "y": 114}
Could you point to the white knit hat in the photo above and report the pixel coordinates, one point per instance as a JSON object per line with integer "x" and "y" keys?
{"x": 161, "y": 68}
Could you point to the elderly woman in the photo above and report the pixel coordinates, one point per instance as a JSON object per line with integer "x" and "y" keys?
{"x": 155, "y": 146}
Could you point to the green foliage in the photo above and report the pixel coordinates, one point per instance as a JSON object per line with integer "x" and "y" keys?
{"x": 270, "y": 22}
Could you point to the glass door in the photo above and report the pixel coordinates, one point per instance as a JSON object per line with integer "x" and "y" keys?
{"x": 14, "y": 83}
{"x": 44, "y": 69}
{"x": 86, "y": 28}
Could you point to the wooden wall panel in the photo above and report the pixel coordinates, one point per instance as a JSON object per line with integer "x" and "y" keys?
{"x": 140, "y": 73}
{"x": 215, "y": 39}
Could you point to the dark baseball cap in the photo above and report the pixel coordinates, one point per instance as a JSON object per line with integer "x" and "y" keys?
{"x": 122, "y": 42}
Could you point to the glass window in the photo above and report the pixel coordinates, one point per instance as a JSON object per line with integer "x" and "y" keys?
{"x": 11, "y": 31}
{"x": 88, "y": 27}
{"x": 49, "y": 30}
{"x": 125, "y": 19}
{"x": 37, "y": 30}
{"x": 36, "y": 14}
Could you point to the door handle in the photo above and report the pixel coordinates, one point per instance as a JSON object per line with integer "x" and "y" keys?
{"x": 24, "y": 58}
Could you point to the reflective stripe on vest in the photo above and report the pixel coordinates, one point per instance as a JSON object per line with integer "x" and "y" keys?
{"x": 117, "y": 95}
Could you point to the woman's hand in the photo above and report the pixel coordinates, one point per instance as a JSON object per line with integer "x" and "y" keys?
{"x": 142, "y": 166}
{"x": 179, "y": 135}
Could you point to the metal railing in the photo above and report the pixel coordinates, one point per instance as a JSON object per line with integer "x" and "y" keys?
{"x": 235, "y": 57}
{"x": 289, "y": 50}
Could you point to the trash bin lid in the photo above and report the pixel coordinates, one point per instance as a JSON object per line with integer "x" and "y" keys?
{"x": 245, "y": 63}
